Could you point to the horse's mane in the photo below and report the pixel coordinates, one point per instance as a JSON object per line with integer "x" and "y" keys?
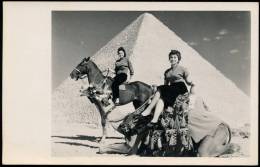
{"x": 95, "y": 66}
{"x": 96, "y": 74}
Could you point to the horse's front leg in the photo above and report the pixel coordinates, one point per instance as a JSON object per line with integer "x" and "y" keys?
{"x": 103, "y": 120}
{"x": 104, "y": 123}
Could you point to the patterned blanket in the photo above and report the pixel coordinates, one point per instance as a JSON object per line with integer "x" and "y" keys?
{"x": 171, "y": 136}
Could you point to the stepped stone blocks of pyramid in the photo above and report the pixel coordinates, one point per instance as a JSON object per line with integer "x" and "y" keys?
{"x": 148, "y": 42}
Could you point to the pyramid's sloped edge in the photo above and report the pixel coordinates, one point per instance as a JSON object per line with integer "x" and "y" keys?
{"x": 151, "y": 60}
{"x": 107, "y": 55}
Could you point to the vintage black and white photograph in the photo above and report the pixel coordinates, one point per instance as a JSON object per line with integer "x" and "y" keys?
{"x": 172, "y": 83}
{"x": 155, "y": 82}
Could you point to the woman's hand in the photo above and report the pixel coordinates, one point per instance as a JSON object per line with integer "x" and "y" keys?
{"x": 192, "y": 89}
{"x": 131, "y": 76}
{"x": 189, "y": 82}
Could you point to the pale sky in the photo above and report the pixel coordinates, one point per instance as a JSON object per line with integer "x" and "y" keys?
{"x": 222, "y": 38}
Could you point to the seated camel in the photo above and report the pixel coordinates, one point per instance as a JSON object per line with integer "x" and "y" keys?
{"x": 210, "y": 134}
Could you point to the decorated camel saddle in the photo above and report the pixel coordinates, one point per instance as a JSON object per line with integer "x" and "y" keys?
{"x": 178, "y": 128}
{"x": 169, "y": 137}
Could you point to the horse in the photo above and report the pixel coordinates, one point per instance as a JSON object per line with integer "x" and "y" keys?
{"x": 136, "y": 92}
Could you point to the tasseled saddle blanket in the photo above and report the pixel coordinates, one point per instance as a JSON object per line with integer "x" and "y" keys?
{"x": 170, "y": 137}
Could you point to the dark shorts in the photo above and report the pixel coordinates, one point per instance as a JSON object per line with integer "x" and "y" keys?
{"x": 170, "y": 92}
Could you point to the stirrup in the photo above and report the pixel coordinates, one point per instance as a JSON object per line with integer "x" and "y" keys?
{"x": 116, "y": 102}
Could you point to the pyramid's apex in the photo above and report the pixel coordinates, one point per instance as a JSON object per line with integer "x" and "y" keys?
{"x": 146, "y": 14}
{"x": 149, "y": 18}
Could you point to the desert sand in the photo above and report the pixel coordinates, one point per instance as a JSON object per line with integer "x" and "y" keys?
{"x": 69, "y": 140}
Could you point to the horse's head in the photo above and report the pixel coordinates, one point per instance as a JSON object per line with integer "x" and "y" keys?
{"x": 81, "y": 70}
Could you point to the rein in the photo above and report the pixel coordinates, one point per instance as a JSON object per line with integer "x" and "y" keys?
{"x": 105, "y": 77}
{"x": 140, "y": 109}
{"x": 104, "y": 80}
{"x": 94, "y": 77}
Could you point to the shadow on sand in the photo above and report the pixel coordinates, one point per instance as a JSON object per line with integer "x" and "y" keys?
{"x": 81, "y": 137}
{"x": 89, "y": 138}
{"x": 77, "y": 144}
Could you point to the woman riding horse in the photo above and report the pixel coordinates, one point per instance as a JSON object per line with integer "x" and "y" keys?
{"x": 122, "y": 66}
{"x": 136, "y": 92}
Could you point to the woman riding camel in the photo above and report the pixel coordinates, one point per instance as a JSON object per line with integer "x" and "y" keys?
{"x": 122, "y": 65}
{"x": 175, "y": 80}
{"x": 211, "y": 134}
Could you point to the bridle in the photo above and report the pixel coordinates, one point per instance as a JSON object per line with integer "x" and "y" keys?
{"x": 84, "y": 76}
{"x": 77, "y": 70}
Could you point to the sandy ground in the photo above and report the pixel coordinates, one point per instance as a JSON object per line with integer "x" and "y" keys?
{"x": 79, "y": 140}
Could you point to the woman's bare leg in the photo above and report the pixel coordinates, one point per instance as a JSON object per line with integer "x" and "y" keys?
{"x": 158, "y": 110}
{"x": 154, "y": 101}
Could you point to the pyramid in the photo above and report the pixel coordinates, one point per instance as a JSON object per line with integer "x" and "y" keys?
{"x": 147, "y": 42}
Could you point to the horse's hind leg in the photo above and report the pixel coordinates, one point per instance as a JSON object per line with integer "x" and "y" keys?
{"x": 215, "y": 145}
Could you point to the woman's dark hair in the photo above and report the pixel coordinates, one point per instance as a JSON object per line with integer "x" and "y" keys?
{"x": 121, "y": 49}
{"x": 175, "y": 52}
